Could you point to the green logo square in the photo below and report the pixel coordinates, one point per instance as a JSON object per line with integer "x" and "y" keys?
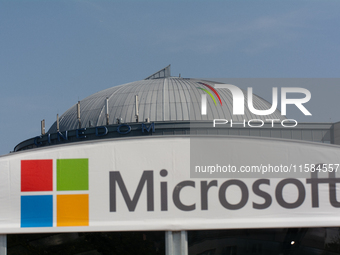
{"x": 72, "y": 174}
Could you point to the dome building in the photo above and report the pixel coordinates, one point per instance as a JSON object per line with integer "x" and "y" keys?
{"x": 144, "y": 168}
{"x": 174, "y": 103}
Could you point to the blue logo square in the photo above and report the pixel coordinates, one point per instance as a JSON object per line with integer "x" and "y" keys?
{"x": 37, "y": 211}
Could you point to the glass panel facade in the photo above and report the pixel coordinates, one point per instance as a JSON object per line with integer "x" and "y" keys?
{"x": 297, "y": 241}
{"x": 129, "y": 243}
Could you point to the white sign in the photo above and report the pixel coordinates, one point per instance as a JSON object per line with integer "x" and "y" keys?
{"x": 144, "y": 184}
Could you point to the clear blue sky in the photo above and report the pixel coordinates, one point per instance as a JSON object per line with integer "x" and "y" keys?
{"x": 54, "y": 53}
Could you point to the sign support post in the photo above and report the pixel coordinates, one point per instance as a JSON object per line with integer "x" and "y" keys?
{"x": 3, "y": 244}
{"x": 176, "y": 243}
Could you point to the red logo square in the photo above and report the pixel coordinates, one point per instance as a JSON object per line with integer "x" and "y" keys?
{"x": 37, "y": 175}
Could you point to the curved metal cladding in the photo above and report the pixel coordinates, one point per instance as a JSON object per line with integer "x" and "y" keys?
{"x": 163, "y": 99}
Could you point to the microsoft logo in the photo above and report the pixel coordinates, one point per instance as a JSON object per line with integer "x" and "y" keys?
{"x": 71, "y": 209}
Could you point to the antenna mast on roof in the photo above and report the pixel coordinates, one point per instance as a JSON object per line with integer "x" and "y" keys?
{"x": 43, "y": 127}
{"x": 57, "y": 122}
{"x": 107, "y": 111}
{"x": 78, "y": 114}
{"x": 163, "y": 73}
{"x": 136, "y": 102}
